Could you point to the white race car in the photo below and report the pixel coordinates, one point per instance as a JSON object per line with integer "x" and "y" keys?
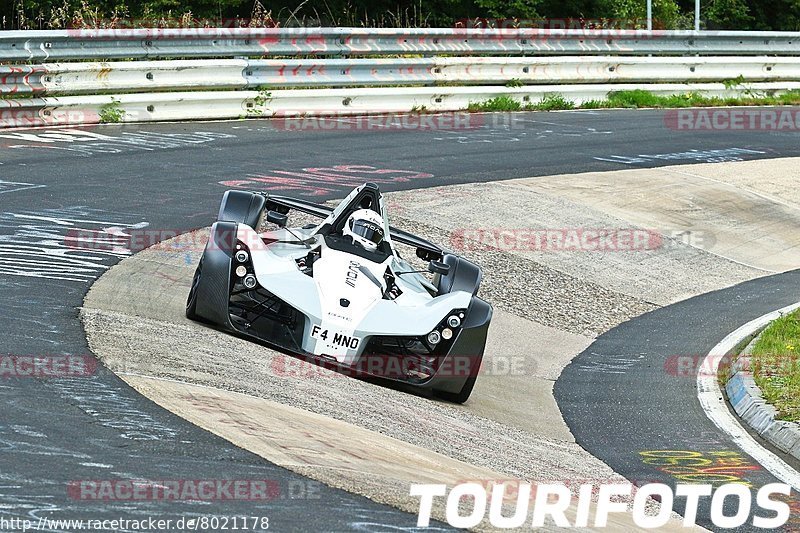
{"x": 338, "y": 293}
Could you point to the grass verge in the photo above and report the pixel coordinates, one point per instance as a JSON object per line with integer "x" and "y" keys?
{"x": 639, "y": 98}
{"x": 776, "y": 369}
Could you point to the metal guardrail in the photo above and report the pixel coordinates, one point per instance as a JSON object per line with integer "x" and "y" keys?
{"x": 447, "y": 70}
{"x": 59, "y": 45}
{"x": 213, "y": 105}
{"x": 237, "y": 74}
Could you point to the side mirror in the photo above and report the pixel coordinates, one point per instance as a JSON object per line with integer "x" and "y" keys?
{"x": 437, "y": 267}
{"x": 279, "y": 219}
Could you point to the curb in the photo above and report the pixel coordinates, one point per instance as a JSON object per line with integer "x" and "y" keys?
{"x": 714, "y": 402}
{"x": 747, "y": 401}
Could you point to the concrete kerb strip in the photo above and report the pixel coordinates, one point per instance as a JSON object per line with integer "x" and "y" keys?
{"x": 312, "y": 445}
{"x": 747, "y": 400}
{"x": 715, "y": 406}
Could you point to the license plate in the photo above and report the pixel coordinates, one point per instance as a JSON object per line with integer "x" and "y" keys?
{"x": 335, "y": 338}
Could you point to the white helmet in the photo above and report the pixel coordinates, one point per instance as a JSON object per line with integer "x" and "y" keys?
{"x": 365, "y": 226}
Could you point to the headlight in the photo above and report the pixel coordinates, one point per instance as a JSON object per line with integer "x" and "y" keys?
{"x": 241, "y": 271}
{"x": 453, "y": 321}
{"x": 447, "y": 334}
{"x": 242, "y": 256}
{"x": 250, "y": 281}
{"x": 434, "y": 337}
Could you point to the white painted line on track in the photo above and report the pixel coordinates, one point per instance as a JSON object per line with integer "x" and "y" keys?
{"x": 715, "y": 406}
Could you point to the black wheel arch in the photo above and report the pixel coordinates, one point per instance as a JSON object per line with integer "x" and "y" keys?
{"x": 464, "y": 276}
{"x": 466, "y": 353}
{"x": 242, "y": 207}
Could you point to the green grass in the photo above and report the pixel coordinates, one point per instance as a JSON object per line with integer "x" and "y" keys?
{"x": 636, "y": 99}
{"x": 551, "y": 102}
{"x": 642, "y": 98}
{"x": 499, "y": 103}
{"x": 776, "y": 365}
{"x": 111, "y": 113}
{"x": 258, "y": 107}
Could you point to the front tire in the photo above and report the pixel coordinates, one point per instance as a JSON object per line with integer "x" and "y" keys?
{"x": 461, "y": 396}
{"x": 191, "y": 301}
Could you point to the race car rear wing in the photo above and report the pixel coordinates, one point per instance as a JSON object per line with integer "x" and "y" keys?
{"x": 426, "y": 250}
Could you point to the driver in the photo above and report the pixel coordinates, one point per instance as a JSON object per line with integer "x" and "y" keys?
{"x": 365, "y": 227}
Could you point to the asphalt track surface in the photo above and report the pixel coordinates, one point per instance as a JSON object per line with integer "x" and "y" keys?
{"x": 625, "y": 394}
{"x": 53, "y": 431}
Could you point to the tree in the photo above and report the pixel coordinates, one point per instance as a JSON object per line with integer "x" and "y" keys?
{"x": 45, "y": 14}
{"x": 775, "y": 15}
{"x": 727, "y": 15}
{"x": 510, "y": 8}
{"x": 666, "y": 13}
